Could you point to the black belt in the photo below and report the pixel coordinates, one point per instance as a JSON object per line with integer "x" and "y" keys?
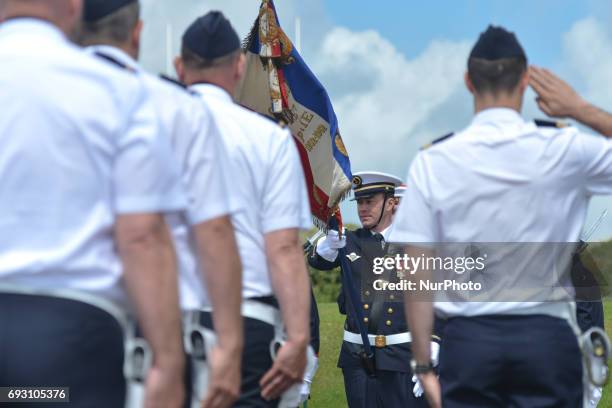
{"x": 267, "y": 300}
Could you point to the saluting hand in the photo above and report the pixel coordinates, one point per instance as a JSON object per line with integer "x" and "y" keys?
{"x": 555, "y": 97}
{"x": 224, "y": 385}
{"x": 288, "y": 370}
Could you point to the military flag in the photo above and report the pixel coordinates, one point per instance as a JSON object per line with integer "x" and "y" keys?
{"x": 279, "y": 84}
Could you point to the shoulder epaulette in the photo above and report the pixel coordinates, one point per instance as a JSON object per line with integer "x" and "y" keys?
{"x": 173, "y": 81}
{"x": 438, "y": 140}
{"x": 114, "y": 62}
{"x": 551, "y": 123}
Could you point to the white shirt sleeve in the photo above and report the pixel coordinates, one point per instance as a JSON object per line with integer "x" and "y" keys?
{"x": 415, "y": 219}
{"x": 146, "y": 175}
{"x": 597, "y": 157}
{"x": 206, "y": 179}
{"x": 285, "y": 200}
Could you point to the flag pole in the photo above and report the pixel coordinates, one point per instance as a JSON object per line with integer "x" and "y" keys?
{"x": 169, "y": 54}
{"x": 298, "y": 34}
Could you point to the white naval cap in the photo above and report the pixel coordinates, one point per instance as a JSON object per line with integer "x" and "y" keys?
{"x": 399, "y": 191}
{"x": 368, "y": 183}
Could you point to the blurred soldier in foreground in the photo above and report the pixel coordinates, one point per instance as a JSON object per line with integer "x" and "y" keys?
{"x": 383, "y": 379}
{"x": 557, "y": 99}
{"x": 204, "y": 236}
{"x": 86, "y": 175}
{"x": 269, "y": 179}
{"x": 502, "y": 179}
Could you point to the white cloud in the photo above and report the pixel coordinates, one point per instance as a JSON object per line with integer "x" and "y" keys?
{"x": 588, "y": 64}
{"x": 179, "y": 14}
{"x": 387, "y": 104}
{"x": 384, "y": 101}
{"x": 588, "y": 53}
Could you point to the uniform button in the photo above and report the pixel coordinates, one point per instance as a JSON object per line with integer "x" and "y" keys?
{"x": 389, "y": 323}
{"x": 367, "y": 293}
{"x": 392, "y": 297}
{"x": 365, "y": 320}
{"x": 390, "y": 310}
{"x": 366, "y": 306}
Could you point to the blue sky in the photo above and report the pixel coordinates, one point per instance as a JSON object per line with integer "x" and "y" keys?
{"x": 412, "y": 25}
{"x": 394, "y": 68}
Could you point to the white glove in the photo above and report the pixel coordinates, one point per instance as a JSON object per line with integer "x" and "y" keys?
{"x": 328, "y": 246}
{"x": 308, "y": 377}
{"x": 435, "y": 351}
{"x": 418, "y": 388}
{"x": 595, "y": 394}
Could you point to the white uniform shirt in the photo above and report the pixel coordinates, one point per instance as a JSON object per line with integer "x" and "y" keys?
{"x": 267, "y": 176}
{"x": 503, "y": 179}
{"x": 198, "y": 148}
{"x": 80, "y": 144}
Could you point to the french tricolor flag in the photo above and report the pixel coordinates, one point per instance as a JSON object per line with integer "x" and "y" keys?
{"x": 279, "y": 84}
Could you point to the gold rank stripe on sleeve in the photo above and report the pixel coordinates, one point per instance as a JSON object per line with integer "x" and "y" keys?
{"x": 551, "y": 123}
{"x": 438, "y": 140}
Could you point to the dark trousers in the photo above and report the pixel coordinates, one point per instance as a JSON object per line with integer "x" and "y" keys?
{"x": 389, "y": 389}
{"x": 510, "y": 361}
{"x": 53, "y": 342}
{"x": 256, "y": 361}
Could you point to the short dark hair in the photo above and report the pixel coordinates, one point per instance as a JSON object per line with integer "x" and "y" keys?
{"x": 192, "y": 60}
{"x": 115, "y": 28}
{"x": 496, "y": 76}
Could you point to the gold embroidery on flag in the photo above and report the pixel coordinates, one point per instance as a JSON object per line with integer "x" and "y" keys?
{"x": 340, "y": 145}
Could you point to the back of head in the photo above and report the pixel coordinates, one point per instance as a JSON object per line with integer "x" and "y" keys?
{"x": 64, "y": 14}
{"x": 211, "y": 52}
{"x": 109, "y": 22}
{"x": 497, "y": 62}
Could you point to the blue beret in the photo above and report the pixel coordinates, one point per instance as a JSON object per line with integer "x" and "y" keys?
{"x": 211, "y": 36}
{"x": 94, "y": 10}
{"x": 497, "y": 43}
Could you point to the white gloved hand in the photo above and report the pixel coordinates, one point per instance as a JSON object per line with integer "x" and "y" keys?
{"x": 595, "y": 394}
{"x": 435, "y": 352}
{"x": 418, "y": 388}
{"x": 328, "y": 246}
{"x": 308, "y": 377}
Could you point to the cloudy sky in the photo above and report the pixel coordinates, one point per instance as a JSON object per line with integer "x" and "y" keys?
{"x": 394, "y": 68}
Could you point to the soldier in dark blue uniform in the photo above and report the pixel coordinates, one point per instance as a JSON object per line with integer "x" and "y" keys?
{"x": 388, "y": 381}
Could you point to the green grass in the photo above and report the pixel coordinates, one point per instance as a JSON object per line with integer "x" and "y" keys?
{"x": 328, "y": 387}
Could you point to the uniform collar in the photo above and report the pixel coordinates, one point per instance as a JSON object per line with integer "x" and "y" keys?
{"x": 117, "y": 54}
{"x": 497, "y": 115}
{"x": 213, "y": 91}
{"x": 384, "y": 232}
{"x": 32, "y": 27}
